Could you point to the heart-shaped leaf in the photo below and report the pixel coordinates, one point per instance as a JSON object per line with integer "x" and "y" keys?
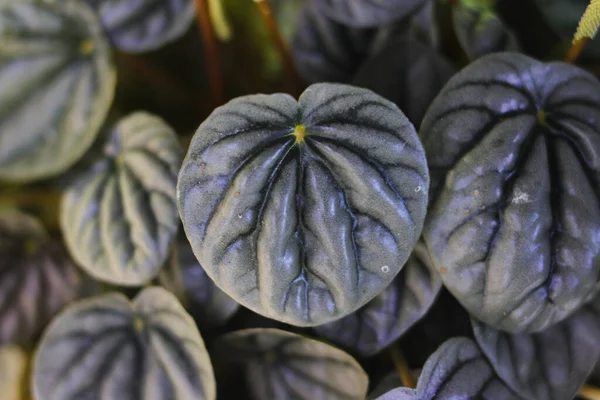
{"x": 57, "y": 84}
{"x": 37, "y": 278}
{"x": 110, "y": 348}
{"x": 512, "y": 146}
{"x": 457, "y": 370}
{"x": 120, "y": 217}
{"x": 13, "y": 370}
{"x": 283, "y": 365}
{"x": 326, "y": 51}
{"x": 389, "y": 315}
{"x": 303, "y": 211}
{"x": 138, "y": 26}
{"x": 552, "y": 364}
{"x": 407, "y": 73}
{"x": 479, "y": 30}
{"x": 369, "y": 13}
{"x": 185, "y": 277}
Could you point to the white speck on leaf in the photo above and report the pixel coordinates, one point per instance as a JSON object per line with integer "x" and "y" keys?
{"x": 520, "y": 197}
{"x": 385, "y": 269}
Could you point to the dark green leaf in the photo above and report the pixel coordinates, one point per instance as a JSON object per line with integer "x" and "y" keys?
{"x": 108, "y": 348}
{"x": 120, "y": 218}
{"x": 57, "y": 84}
{"x": 283, "y": 365}
{"x": 138, "y": 26}
{"x": 552, "y": 364}
{"x": 369, "y": 13}
{"x": 389, "y": 315}
{"x": 512, "y": 144}
{"x": 303, "y": 211}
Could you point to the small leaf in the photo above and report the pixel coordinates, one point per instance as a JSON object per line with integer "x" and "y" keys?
{"x": 138, "y": 26}
{"x": 37, "y": 278}
{"x": 109, "y": 348}
{"x": 57, "y": 83}
{"x": 369, "y": 13}
{"x": 13, "y": 371}
{"x": 552, "y": 364}
{"x": 303, "y": 211}
{"x": 457, "y": 370}
{"x": 389, "y": 315}
{"x": 120, "y": 218}
{"x": 185, "y": 277}
{"x": 283, "y": 365}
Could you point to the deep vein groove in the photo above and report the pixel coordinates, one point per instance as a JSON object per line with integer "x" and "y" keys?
{"x": 282, "y": 378}
{"x": 137, "y": 17}
{"x": 489, "y": 83}
{"x": 555, "y": 206}
{"x": 568, "y": 82}
{"x": 311, "y": 378}
{"x": 186, "y": 365}
{"x": 456, "y": 369}
{"x": 324, "y": 104}
{"x": 144, "y": 203}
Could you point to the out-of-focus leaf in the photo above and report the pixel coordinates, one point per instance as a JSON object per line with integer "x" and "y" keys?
{"x": 108, "y": 348}
{"x": 326, "y": 51}
{"x": 457, "y": 370}
{"x": 37, "y": 278}
{"x": 185, "y": 277}
{"x": 57, "y": 83}
{"x": 552, "y": 364}
{"x": 480, "y": 31}
{"x": 283, "y": 365}
{"x": 120, "y": 217}
{"x": 389, "y": 315}
{"x": 369, "y": 13}
{"x": 143, "y": 25}
{"x": 408, "y": 73}
{"x": 13, "y": 370}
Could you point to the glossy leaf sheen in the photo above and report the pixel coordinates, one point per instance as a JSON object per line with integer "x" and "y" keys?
{"x": 407, "y": 73}
{"x": 552, "y": 364}
{"x": 514, "y": 149}
{"x": 457, "y": 370}
{"x": 389, "y": 315}
{"x": 479, "y": 31}
{"x": 326, "y": 51}
{"x": 37, "y": 278}
{"x": 304, "y": 233}
{"x": 108, "y": 348}
{"x": 369, "y": 13}
{"x": 144, "y": 25}
{"x": 57, "y": 84}
{"x": 120, "y": 217}
{"x": 283, "y": 365}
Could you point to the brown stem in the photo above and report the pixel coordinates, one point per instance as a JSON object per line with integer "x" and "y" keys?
{"x": 402, "y": 367}
{"x": 575, "y": 50}
{"x": 590, "y": 393}
{"x": 293, "y": 79}
{"x": 211, "y": 52}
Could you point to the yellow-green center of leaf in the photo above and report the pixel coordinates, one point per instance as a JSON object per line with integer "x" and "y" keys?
{"x": 86, "y": 47}
{"x": 30, "y": 247}
{"x": 300, "y": 133}
{"x": 138, "y": 323}
{"x": 541, "y": 117}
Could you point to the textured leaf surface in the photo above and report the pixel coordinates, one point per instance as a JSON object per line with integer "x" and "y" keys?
{"x": 283, "y": 365}
{"x": 185, "y": 277}
{"x": 57, "y": 86}
{"x": 369, "y": 13}
{"x": 143, "y": 25}
{"x": 13, "y": 367}
{"x": 389, "y": 315}
{"x": 552, "y": 364}
{"x": 120, "y": 217}
{"x": 305, "y": 232}
{"x": 457, "y": 370}
{"x": 326, "y": 51}
{"x": 514, "y": 148}
{"x": 407, "y": 73}
{"x": 480, "y": 31}
{"x": 108, "y": 348}
{"x": 37, "y": 278}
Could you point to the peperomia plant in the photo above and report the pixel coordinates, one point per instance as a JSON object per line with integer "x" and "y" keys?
{"x": 366, "y": 199}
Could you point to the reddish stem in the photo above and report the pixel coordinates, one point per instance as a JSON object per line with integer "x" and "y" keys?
{"x": 575, "y": 50}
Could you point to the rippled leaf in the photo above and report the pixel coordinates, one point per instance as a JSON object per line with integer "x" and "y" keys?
{"x": 13, "y": 369}
{"x": 138, "y": 26}
{"x": 57, "y": 84}
{"x": 369, "y": 13}
{"x": 303, "y": 211}
{"x": 552, "y": 364}
{"x": 389, "y": 315}
{"x": 120, "y": 218}
{"x": 109, "y": 348}
{"x": 480, "y": 31}
{"x": 37, "y": 278}
{"x": 457, "y": 370}
{"x": 513, "y": 223}
{"x": 283, "y": 365}
{"x": 407, "y": 73}
{"x": 326, "y": 51}
{"x": 185, "y": 277}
